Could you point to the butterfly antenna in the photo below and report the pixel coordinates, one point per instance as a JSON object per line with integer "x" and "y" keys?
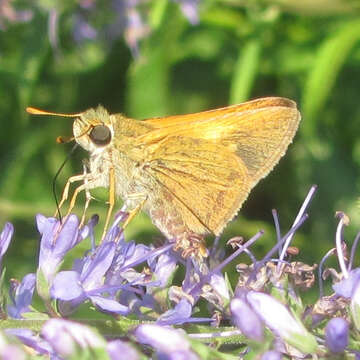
{"x": 35, "y": 111}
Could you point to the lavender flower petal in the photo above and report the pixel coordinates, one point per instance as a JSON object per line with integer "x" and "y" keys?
{"x": 119, "y": 350}
{"x": 165, "y": 266}
{"x": 163, "y": 339}
{"x": 66, "y": 286}
{"x": 346, "y": 286}
{"x": 29, "y": 338}
{"x": 190, "y": 10}
{"x": 278, "y": 318}
{"x": 177, "y": 355}
{"x": 12, "y": 352}
{"x": 271, "y": 355}
{"x": 83, "y": 30}
{"x": 337, "y": 335}
{"x": 217, "y": 281}
{"x": 5, "y": 238}
{"x": 109, "y": 305}
{"x": 355, "y": 306}
{"x": 180, "y": 314}
{"x": 96, "y": 266}
{"x": 67, "y": 336}
{"x": 22, "y": 296}
{"x": 246, "y": 319}
{"x": 170, "y": 343}
{"x": 56, "y": 242}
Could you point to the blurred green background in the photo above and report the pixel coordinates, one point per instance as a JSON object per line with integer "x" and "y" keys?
{"x": 155, "y": 58}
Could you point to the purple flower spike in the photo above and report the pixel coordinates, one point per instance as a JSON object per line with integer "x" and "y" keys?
{"x": 5, "y": 238}
{"x": 21, "y": 296}
{"x": 56, "y": 240}
{"x": 66, "y": 337}
{"x": 337, "y": 335}
{"x": 246, "y": 319}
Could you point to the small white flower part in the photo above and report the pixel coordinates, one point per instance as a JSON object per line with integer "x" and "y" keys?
{"x": 278, "y": 318}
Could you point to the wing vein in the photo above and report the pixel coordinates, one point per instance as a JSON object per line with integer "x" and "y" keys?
{"x": 179, "y": 199}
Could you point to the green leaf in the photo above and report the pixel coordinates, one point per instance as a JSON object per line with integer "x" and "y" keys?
{"x": 35, "y": 46}
{"x": 34, "y": 325}
{"x": 157, "y": 13}
{"x": 245, "y": 71}
{"x": 208, "y": 353}
{"x": 89, "y": 354}
{"x": 149, "y": 77}
{"x": 328, "y": 62}
{"x": 35, "y": 316}
{"x": 3, "y": 293}
{"x": 112, "y": 328}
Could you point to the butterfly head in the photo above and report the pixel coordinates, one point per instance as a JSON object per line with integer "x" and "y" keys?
{"x": 93, "y": 130}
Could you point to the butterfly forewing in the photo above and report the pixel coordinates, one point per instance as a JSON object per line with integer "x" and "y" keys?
{"x": 210, "y": 161}
{"x": 207, "y": 182}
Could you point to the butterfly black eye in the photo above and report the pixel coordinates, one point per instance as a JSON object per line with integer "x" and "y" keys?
{"x": 100, "y": 135}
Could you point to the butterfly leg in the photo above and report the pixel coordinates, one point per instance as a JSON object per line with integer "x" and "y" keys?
{"x": 65, "y": 193}
{"x": 195, "y": 248}
{"x": 135, "y": 211}
{"x": 88, "y": 196}
{"x": 111, "y": 200}
{"x": 85, "y": 186}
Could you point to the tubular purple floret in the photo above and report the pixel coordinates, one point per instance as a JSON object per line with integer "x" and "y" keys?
{"x": 219, "y": 267}
{"x": 268, "y": 256}
{"x": 153, "y": 253}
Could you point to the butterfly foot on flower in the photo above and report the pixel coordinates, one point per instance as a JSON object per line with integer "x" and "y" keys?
{"x": 193, "y": 245}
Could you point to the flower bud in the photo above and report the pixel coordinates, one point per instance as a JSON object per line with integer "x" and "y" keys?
{"x": 246, "y": 319}
{"x": 337, "y": 335}
{"x": 278, "y": 318}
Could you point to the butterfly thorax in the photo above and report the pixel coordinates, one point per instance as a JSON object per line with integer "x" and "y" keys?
{"x": 116, "y": 150}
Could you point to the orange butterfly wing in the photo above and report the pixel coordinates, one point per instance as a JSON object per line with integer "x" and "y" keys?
{"x": 210, "y": 161}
